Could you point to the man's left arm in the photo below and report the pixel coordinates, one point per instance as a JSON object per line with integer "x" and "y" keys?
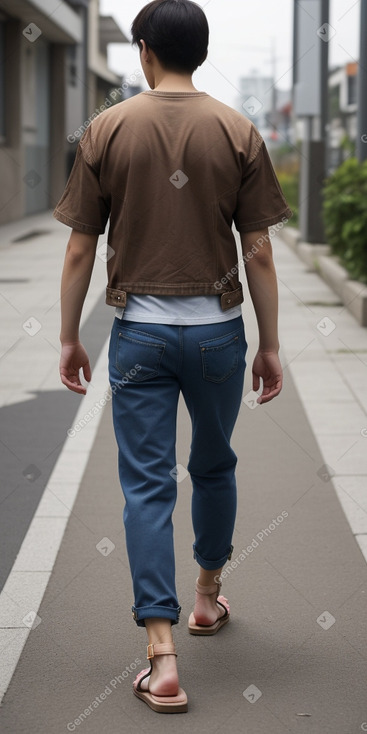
{"x": 77, "y": 272}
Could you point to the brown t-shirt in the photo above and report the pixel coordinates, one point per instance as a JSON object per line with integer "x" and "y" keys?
{"x": 173, "y": 171}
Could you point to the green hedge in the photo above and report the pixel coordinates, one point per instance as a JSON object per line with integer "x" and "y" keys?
{"x": 290, "y": 186}
{"x": 345, "y": 216}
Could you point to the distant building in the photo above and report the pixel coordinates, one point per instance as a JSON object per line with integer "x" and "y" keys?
{"x": 342, "y": 112}
{"x": 102, "y": 30}
{"x": 267, "y": 107}
{"x": 256, "y": 100}
{"x": 89, "y": 80}
{"x": 53, "y": 77}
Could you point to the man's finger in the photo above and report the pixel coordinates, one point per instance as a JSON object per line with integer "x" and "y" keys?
{"x": 87, "y": 372}
{"x": 255, "y": 382}
{"x": 73, "y": 386}
{"x": 267, "y": 396}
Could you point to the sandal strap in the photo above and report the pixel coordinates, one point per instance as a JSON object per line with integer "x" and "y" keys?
{"x": 207, "y": 590}
{"x": 138, "y": 685}
{"x": 161, "y": 648}
{"x": 225, "y": 609}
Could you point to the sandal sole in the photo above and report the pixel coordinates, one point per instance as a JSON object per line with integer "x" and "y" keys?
{"x": 160, "y": 707}
{"x": 198, "y": 629}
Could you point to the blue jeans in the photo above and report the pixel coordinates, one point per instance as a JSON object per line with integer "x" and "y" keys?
{"x": 149, "y": 364}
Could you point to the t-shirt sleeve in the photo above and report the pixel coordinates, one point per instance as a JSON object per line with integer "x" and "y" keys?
{"x": 82, "y": 205}
{"x": 260, "y": 201}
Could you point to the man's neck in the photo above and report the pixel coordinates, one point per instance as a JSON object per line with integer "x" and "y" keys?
{"x": 171, "y": 82}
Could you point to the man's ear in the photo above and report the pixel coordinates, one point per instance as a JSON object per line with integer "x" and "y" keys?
{"x": 144, "y": 50}
{"x": 204, "y": 58}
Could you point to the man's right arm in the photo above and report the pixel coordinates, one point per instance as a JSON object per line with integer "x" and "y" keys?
{"x": 263, "y": 287}
{"x": 77, "y": 271}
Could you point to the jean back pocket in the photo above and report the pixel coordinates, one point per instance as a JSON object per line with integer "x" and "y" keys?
{"x": 220, "y": 356}
{"x": 138, "y": 355}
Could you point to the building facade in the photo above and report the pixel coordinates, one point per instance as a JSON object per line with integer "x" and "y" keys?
{"x": 53, "y": 76}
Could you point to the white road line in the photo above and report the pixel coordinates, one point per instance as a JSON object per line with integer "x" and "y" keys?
{"x": 21, "y": 597}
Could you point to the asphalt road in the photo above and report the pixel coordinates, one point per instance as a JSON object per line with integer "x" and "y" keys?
{"x": 32, "y": 435}
{"x": 292, "y": 658}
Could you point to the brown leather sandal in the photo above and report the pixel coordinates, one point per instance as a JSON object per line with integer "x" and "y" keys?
{"x": 162, "y": 704}
{"x": 209, "y": 629}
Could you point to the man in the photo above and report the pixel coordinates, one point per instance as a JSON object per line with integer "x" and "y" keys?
{"x": 173, "y": 168}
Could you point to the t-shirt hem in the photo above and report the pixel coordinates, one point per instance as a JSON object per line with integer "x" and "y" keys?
{"x": 253, "y": 226}
{"x": 79, "y": 226}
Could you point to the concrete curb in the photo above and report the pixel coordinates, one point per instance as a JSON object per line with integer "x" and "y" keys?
{"x": 318, "y": 258}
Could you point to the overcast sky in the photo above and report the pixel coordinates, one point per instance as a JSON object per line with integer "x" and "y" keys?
{"x": 242, "y": 35}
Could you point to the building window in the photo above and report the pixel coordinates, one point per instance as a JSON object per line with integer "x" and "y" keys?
{"x": 72, "y": 67}
{"x": 2, "y": 82}
{"x": 352, "y": 89}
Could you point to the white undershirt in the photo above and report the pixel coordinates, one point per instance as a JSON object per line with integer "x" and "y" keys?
{"x": 177, "y": 310}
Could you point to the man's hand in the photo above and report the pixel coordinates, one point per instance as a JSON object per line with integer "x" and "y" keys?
{"x": 73, "y": 358}
{"x": 263, "y": 287}
{"x": 76, "y": 275}
{"x": 267, "y": 365}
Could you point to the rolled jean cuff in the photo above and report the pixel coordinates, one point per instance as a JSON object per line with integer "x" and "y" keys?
{"x": 212, "y": 565}
{"x": 142, "y": 613}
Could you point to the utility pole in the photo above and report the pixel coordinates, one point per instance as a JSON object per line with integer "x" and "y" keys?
{"x": 362, "y": 88}
{"x": 312, "y": 33}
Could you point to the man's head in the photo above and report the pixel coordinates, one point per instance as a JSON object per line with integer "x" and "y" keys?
{"x": 176, "y": 31}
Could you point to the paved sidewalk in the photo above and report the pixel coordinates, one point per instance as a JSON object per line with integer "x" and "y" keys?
{"x": 35, "y": 408}
{"x": 326, "y": 351}
{"x": 296, "y": 643}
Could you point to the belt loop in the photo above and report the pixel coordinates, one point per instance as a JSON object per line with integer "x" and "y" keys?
{"x": 229, "y": 299}
{"x": 116, "y": 297}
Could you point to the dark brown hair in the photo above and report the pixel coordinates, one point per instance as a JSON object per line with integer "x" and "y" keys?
{"x": 176, "y": 31}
